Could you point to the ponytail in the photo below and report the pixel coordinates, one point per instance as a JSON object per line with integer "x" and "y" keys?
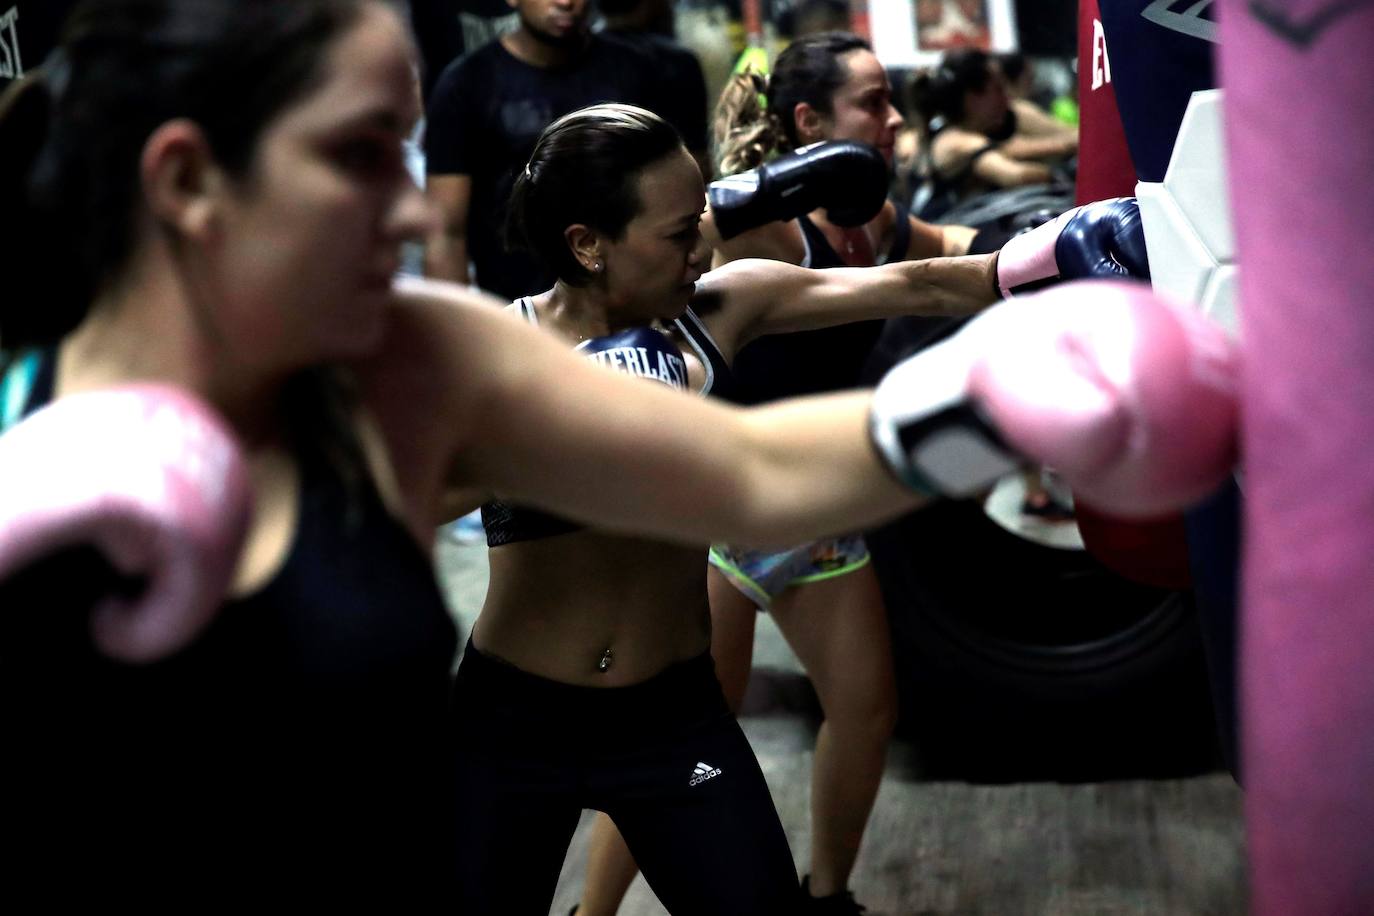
{"x": 746, "y": 132}
{"x": 518, "y": 232}
{"x": 584, "y": 170}
{"x": 754, "y": 117}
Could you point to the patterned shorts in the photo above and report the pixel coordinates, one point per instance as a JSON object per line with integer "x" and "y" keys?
{"x": 764, "y": 574}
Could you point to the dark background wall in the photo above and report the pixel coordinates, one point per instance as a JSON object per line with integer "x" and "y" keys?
{"x": 1048, "y": 27}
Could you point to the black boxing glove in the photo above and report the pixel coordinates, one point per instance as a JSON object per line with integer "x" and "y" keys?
{"x": 849, "y": 180}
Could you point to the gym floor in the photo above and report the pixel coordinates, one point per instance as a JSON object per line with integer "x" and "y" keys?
{"x": 1095, "y": 849}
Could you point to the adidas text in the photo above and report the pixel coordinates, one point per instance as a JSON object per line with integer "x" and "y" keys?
{"x": 702, "y": 772}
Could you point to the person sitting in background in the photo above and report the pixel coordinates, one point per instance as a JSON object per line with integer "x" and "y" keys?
{"x": 1031, "y": 120}
{"x": 975, "y": 139}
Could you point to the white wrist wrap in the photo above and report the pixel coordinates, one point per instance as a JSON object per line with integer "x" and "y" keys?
{"x": 1029, "y": 257}
{"x": 926, "y": 431}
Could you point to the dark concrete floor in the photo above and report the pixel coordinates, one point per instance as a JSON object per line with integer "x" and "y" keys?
{"x": 1095, "y": 849}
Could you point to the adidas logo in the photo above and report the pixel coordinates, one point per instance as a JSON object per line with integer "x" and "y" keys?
{"x": 702, "y": 772}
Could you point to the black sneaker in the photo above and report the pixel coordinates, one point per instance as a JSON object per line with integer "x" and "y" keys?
{"x": 841, "y": 904}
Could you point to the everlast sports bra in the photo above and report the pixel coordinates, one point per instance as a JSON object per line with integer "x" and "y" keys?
{"x": 506, "y": 523}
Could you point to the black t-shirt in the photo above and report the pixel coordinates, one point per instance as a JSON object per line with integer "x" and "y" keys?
{"x": 684, "y": 102}
{"x": 438, "y": 32}
{"x": 484, "y": 117}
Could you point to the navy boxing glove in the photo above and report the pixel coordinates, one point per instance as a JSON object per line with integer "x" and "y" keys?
{"x": 644, "y": 352}
{"x": 849, "y": 180}
{"x": 1104, "y": 239}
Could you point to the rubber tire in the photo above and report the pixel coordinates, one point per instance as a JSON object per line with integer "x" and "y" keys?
{"x": 1016, "y": 661}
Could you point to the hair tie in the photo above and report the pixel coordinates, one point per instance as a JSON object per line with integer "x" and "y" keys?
{"x": 760, "y": 81}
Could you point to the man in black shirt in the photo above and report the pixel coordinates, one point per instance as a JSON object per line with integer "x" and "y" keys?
{"x": 648, "y": 25}
{"x": 438, "y": 32}
{"x": 487, "y": 111}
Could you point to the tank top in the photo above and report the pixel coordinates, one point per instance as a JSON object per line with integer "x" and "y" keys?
{"x": 506, "y": 523}
{"x": 301, "y": 737}
{"x": 944, "y": 191}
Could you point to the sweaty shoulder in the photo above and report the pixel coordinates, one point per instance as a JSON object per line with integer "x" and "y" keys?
{"x": 730, "y": 297}
{"x": 439, "y": 327}
{"x": 738, "y": 276}
{"x": 437, "y": 361}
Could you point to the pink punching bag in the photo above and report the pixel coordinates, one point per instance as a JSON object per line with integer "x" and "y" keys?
{"x": 1299, "y": 82}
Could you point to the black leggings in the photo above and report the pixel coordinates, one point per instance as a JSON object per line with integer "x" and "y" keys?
{"x": 665, "y": 759}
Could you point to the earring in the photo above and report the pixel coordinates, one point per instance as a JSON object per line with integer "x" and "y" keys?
{"x": 596, "y": 267}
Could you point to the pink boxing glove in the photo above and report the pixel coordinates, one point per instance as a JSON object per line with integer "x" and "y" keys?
{"x": 152, "y": 479}
{"x": 1131, "y": 400}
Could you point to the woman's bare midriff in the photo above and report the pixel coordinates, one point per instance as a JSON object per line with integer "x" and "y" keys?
{"x": 595, "y": 609}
